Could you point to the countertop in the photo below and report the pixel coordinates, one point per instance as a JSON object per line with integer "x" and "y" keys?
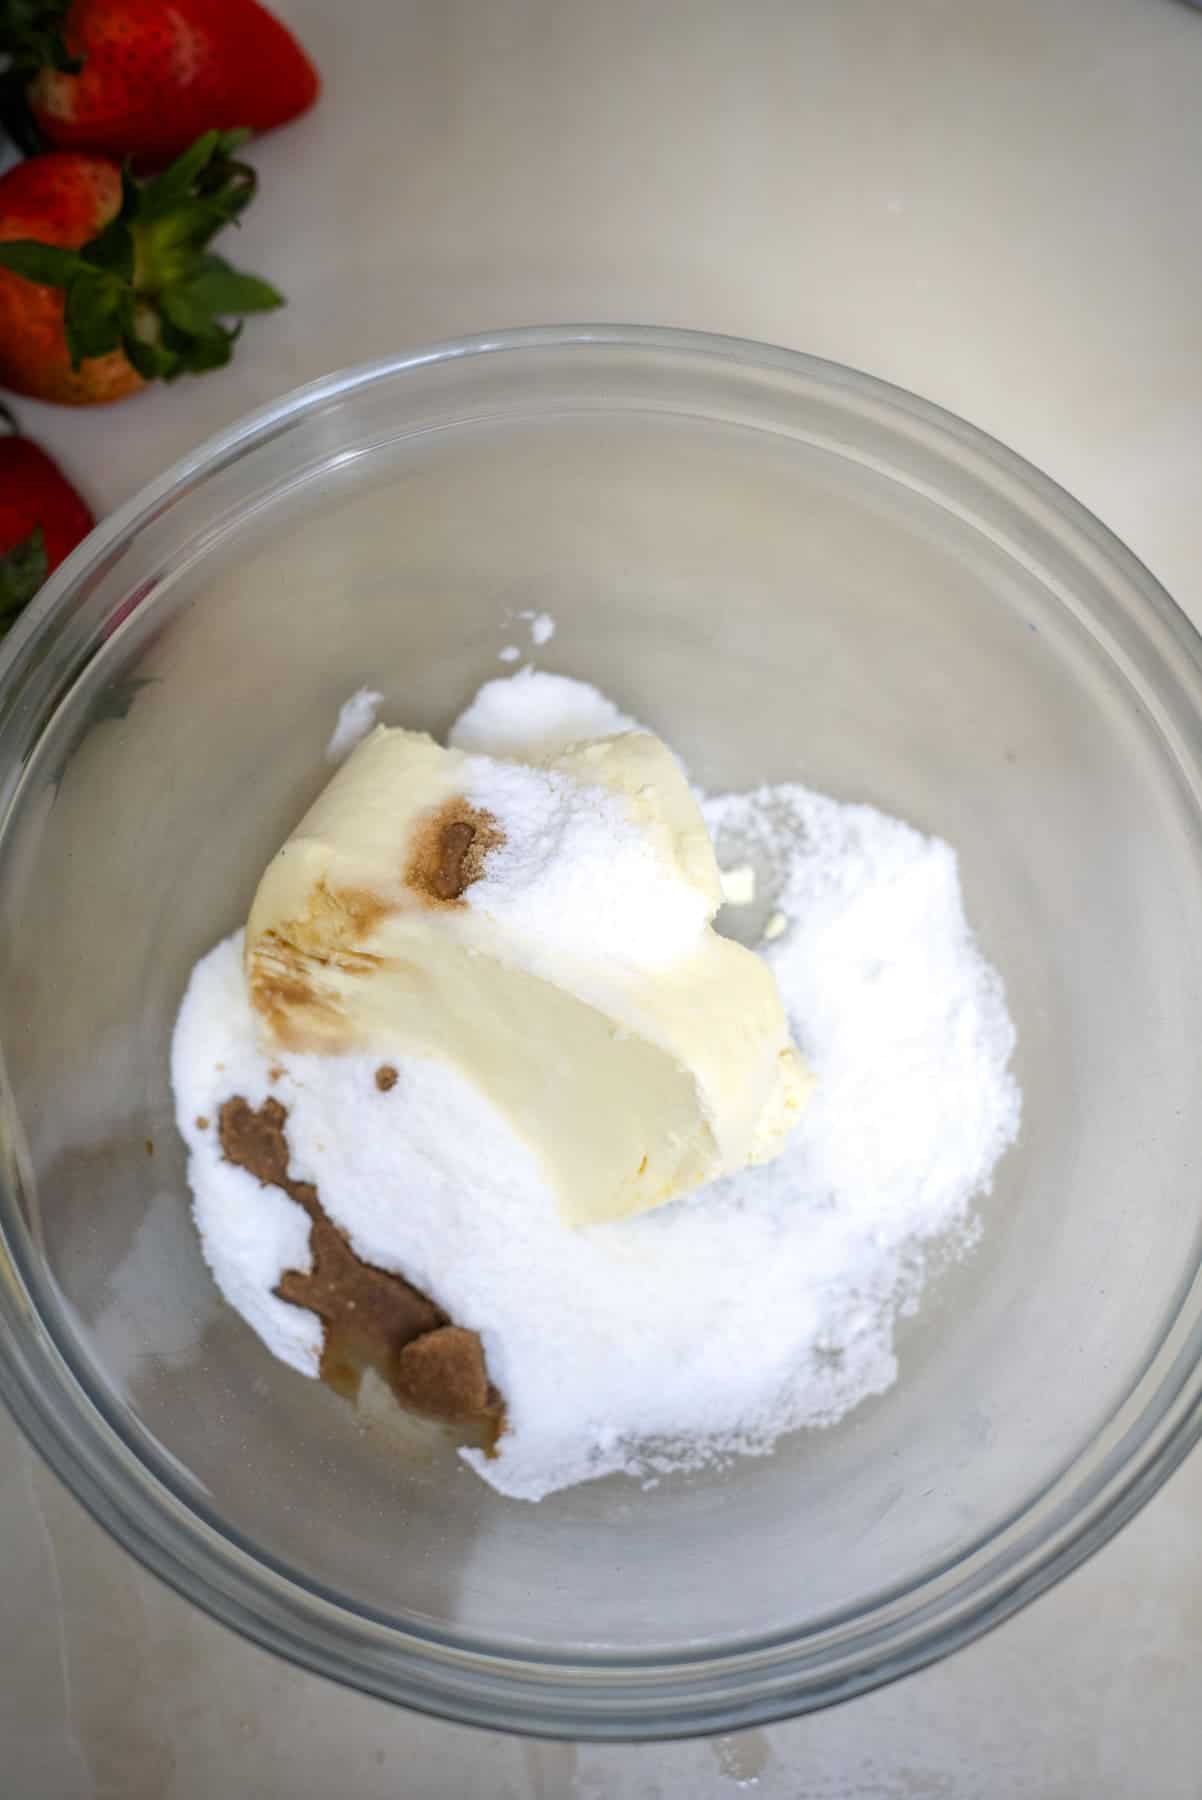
{"x": 992, "y": 202}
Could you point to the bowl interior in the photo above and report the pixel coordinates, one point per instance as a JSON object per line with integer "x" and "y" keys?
{"x": 780, "y": 599}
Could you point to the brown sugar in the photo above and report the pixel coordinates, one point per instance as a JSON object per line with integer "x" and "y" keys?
{"x": 386, "y": 1077}
{"x": 443, "y": 1373}
{"x": 371, "y": 1318}
{"x": 449, "y": 849}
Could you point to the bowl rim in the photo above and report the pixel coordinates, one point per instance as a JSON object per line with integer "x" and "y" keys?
{"x": 633, "y": 1696}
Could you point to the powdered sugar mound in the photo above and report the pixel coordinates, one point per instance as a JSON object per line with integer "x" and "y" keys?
{"x": 576, "y": 874}
{"x": 532, "y": 715}
{"x": 356, "y": 717}
{"x": 891, "y": 1002}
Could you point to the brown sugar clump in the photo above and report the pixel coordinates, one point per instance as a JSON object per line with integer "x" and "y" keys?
{"x": 386, "y": 1077}
{"x": 443, "y": 1373}
{"x": 449, "y": 851}
{"x": 372, "y": 1318}
{"x": 255, "y": 1141}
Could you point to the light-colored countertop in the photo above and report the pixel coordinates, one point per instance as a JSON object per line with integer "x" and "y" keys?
{"x": 993, "y": 202}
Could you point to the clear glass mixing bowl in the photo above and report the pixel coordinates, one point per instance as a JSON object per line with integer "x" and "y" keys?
{"x": 791, "y": 571}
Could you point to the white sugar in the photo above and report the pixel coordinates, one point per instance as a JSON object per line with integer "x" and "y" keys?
{"x": 904, "y": 1023}
{"x": 542, "y": 627}
{"x": 356, "y": 717}
{"x": 533, "y": 714}
{"x": 250, "y": 1234}
{"x": 763, "y": 1303}
{"x": 575, "y": 874}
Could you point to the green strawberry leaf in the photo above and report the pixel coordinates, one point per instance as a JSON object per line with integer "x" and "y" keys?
{"x": 113, "y": 249}
{"x": 207, "y": 350}
{"x": 205, "y": 171}
{"x": 153, "y": 360}
{"x": 229, "y": 294}
{"x": 188, "y": 316}
{"x": 98, "y": 312}
{"x": 233, "y": 139}
{"x": 23, "y": 569}
{"x": 163, "y": 193}
{"x": 48, "y": 264}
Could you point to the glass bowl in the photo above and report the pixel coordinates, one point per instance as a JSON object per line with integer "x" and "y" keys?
{"x": 792, "y": 571}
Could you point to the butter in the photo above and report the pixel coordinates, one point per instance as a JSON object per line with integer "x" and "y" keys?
{"x": 545, "y": 927}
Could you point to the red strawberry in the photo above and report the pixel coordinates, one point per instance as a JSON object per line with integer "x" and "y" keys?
{"x": 143, "y": 78}
{"x": 42, "y": 518}
{"x": 107, "y": 282}
{"x": 64, "y": 200}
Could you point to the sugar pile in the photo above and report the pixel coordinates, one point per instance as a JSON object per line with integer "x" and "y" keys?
{"x": 535, "y": 714}
{"x": 763, "y": 1303}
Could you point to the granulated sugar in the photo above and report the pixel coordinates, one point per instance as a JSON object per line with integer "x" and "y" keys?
{"x": 576, "y": 874}
{"x": 535, "y": 714}
{"x": 542, "y": 627}
{"x": 355, "y": 719}
{"x": 250, "y": 1234}
{"x": 713, "y": 1325}
{"x": 542, "y": 630}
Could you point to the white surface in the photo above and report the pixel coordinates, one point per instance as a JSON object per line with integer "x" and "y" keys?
{"x": 993, "y": 202}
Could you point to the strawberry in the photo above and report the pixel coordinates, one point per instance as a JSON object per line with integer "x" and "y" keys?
{"x": 143, "y": 78}
{"x": 64, "y": 200}
{"x": 42, "y": 518}
{"x": 107, "y": 282}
